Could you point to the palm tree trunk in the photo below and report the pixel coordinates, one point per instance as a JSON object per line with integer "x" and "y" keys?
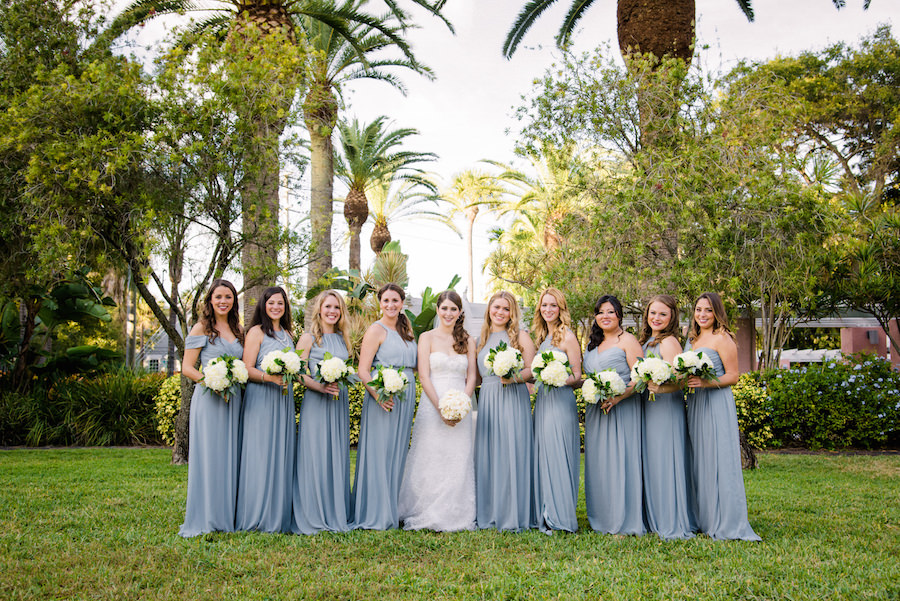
{"x": 355, "y": 249}
{"x": 321, "y": 196}
{"x": 471, "y": 262}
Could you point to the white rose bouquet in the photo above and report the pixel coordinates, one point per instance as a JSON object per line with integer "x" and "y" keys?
{"x": 286, "y": 363}
{"x": 694, "y": 363}
{"x": 651, "y": 369}
{"x": 221, "y": 373}
{"x": 504, "y": 361}
{"x": 551, "y": 368}
{"x": 455, "y": 405}
{"x": 602, "y": 385}
{"x": 333, "y": 370}
{"x": 389, "y": 382}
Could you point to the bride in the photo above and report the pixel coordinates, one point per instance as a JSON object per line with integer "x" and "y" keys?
{"x": 438, "y": 489}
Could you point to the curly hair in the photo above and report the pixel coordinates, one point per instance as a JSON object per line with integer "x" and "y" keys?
{"x": 720, "y": 317}
{"x": 460, "y": 335}
{"x": 404, "y": 327}
{"x": 597, "y": 334}
{"x": 342, "y": 326}
{"x": 208, "y": 314}
{"x": 512, "y": 326}
{"x": 670, "y": 330}
{"x": 542, "y": 329}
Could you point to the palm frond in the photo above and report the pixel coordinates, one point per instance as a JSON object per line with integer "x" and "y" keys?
{"x": 523, "y": 23}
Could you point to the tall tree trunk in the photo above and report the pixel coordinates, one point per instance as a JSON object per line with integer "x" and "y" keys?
{"x": 658, "y": 27}
{"x": 320, "y": 111}
{"x": 471, "y": 254}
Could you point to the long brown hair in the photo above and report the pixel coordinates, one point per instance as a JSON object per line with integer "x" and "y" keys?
{"x": 460, "y": 335}
{"x": 720, "y": 318}
{"x": 404, "y": 328}
{"x": 342, "y": 326}
{"x": 541, "y": 328}
{"x": 512, "y": 326}
{"x": 208, "y": 315}
{"x": 262, "y": 319}
{"x": 670, "y": 330}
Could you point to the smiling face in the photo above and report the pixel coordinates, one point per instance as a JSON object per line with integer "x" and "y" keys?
{"x": 330, "y": 311}
{"x": 391, "y": 304}
{"x": 549, "y": 308}
{"x": 659, "y": 315}
{"x": 222, "y": 300}
{"x": 704, "y": 315}
{"x": 448, "y": 312}
{"x": 275, "y": 307}
{"x": 500, "y": 313}
{"x": 606, "y": 318}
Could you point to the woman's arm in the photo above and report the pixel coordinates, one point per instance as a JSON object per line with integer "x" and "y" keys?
{"x": 727, "y": 350}
{"x": 668, "y": 349}
{"x": 304, "y": 346}
{"x": 633, "y": 350}
{"x": 252, "y": 342}
{"x": 191, "y": 356}
{"x": 472, "y": 368}
{"x": 372, "y": 339}
{"x": 573, "y": 350}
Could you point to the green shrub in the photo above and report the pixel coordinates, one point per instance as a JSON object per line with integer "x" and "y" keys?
{"x": 168, "y": 403}
{"x": 754, "y": 412}
{"x": 836, "y": 404}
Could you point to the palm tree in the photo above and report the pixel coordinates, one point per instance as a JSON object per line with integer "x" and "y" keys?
{"x": 393, "y": 200}
{"x": 368, "y": 155}
{"x": 334, "y": 63}
{"x": 250, "y": 25}
{"x": 470, "y": 191}
{"x": 657, "y": 27}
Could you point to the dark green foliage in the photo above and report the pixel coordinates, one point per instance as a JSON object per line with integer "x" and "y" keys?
{"x": 754, "y": 410}
{"x": 115, "y": 408}
{"x": 836, "y": 405}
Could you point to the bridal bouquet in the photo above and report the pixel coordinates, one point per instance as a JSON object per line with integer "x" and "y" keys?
{"x": 651, "y": 369}
{"x": 602, "y": 385}
{"x": 334, "y": 370}
{"x": 551, "y": 368}
{"x": 221, "y": 373}
{"x": 454, "y": 405}
{"x": 286, "y": 363}
{"x": 694, "y": 363}
{"x": 389, "y": 382}
{"x": 504, "y": 361}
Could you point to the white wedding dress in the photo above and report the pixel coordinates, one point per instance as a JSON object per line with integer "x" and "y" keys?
{"x": 438, "y": 489}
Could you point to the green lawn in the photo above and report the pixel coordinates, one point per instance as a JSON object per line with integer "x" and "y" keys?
{"x": 103, "y": 523}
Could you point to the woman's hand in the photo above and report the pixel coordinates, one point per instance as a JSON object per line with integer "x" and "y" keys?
{"x": 333, "y": 389}
{"x": 450, "y": 422}
{"x": 695, "y": 382}
{"x": 387, "y": 405}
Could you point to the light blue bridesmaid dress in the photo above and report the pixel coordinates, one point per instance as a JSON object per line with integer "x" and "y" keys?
{"x": 503, "y": 450}
{"x": 214, "y": 448}
{"x": 720, "y": 502}
{"x": 613, "y": 483}
{"x": 322, "y": 477}
{"x": 557, "y": 455}
{"x": 267, "y": 451}
{"x": 664, "y": 453}
{"x": 384, "y": 442}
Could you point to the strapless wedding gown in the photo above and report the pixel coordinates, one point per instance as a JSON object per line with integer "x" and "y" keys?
{"x": 438, "y": 489}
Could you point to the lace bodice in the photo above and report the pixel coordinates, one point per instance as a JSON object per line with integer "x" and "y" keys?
{"x": 445, "y": 367}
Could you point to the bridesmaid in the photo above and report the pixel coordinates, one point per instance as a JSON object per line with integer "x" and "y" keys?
{"x": 612, "y": 430}
{"x": 720, "y": 500}
{"x": 322, "y": 478}
{"x": 503, "y": 430}
{"x": 664, "y": 441}
{"x": 557, "y": 438}
{"x": 384, "y": 427}
{"x": 214, "y": 439}
{"x": 267, "y": 450}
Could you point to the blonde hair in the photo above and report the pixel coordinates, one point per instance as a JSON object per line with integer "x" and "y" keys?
{"x": 342, "y": 326}
{"x": 512, "y": 326}
{"x": 563, "y": 322}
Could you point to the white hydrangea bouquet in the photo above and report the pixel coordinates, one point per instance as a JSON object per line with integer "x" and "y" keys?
{"x": 286, "y": 363}
{"x": 602, "y": 385}
{"x": 694, "y": 363}
{"x": 455, "y": 405}
{"x": 551, "y": 368}
{"x": 651, "y": 369}
{"x": 389, "y": 382}
{"x": 334, "y": 370}
{"x": 504, "y": 361}
{"x": 221, "y": 373}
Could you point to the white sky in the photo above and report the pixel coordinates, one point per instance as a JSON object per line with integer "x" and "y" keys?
{"x": 464, "y": 113}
